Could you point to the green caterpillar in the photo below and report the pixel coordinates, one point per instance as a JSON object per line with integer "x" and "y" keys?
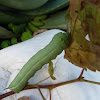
{"x": 59, "y": 42}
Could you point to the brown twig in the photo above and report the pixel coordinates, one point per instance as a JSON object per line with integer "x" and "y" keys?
{"x": 50, "y": 87}
{"x": 6, "y": 94}
{"x": 40, "y": 92}
{"x": 81, "y": 73}
{"x": 50, "y": 93}
{"x": 39, "y": 31}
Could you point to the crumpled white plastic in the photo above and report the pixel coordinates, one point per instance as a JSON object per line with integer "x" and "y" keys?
{"x": 14, "y": 57}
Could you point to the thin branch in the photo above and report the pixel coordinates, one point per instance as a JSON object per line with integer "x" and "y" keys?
{"x": 91, "y": 82}
{"x": 49, "y": 86}
{"x": 81, "y": 73}
{"x": 50, "y": 93}
{"x": 6, "y": 94}
{"x": 40, "y": 92}
{"x": 43, "y": 80}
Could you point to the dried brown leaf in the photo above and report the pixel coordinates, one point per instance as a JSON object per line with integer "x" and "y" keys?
{"x": 90, "y": 18}
{"x": 84, "y": 57}
{"x": 84, "y": 16}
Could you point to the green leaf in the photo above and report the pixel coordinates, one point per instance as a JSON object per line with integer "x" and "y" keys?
{"x": 49, "y": 7}
{"x": 27, "y": 29}
{"x": 10, "y": 26}
{"x": 2, "y": 7}
{"x": 32, "y": 27}
{"x": 14, "y": 41}
{"x": 14, "y": 17}
{"x": 26, "y": 36}
{"x": 5, "y": 44}
{"x": 17, "y": 29}
{"x": 5, "y": 34}
{"x": 56, "y": 20}
{"x": 23, "y": 4}
{"x": 40, "y": 17}
{"x": 37, "y": 23}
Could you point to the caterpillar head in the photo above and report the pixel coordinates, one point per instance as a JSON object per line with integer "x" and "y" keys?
{"x": 62, "y": 39}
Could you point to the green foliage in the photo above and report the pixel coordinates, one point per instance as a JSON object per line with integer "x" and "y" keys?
{"x": 49, "y": 7}
{"x": 27, "y": 29}
{"x": 5, "y": 44}
{"x": 37, "y": 23}
{"x": 18, "y": 12}
{"x": 10, "y": 26}
{"x": 23, "y": 4}
{"x": 19, "y": 18}
{"x": 14, "y": 41}
{"x": 56, "y": 20}
{"x": 41, "y": 17}
{"x": 5, "y": 34}
{"x": 26, "y": 36}
{"x": 17, "y": 29}
{"x": 32, "y": 27}
{"x": 15, "y": 17}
